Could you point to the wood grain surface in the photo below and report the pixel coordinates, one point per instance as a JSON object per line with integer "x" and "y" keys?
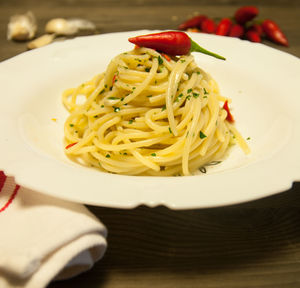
{"x": 255, "y": 244}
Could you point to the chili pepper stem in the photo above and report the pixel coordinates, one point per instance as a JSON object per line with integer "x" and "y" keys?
{"x": 196, "y": 48}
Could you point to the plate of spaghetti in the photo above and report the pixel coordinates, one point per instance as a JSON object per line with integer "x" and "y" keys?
{"x": 100, "y": 121}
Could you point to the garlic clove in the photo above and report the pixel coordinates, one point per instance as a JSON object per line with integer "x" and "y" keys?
{"x": 41, "y": 41}
{"x": 61, "y": 26}
{"x": 22, "y": 27}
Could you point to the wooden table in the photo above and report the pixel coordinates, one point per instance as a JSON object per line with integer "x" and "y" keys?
{"x": 255, "y": 244}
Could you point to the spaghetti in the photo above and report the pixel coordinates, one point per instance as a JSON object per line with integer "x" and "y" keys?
{"x": 148, "y": 115}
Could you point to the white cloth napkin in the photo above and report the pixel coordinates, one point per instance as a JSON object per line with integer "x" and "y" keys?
{"x": 43, "y": 238}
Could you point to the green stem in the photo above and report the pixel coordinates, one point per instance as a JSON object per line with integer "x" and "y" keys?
{"x": 196, "y": 48}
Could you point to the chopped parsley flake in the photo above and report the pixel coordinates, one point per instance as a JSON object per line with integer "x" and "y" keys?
{"x": 248, "y": 138}
{"x": 149, "y": 96}
{"x": 202, "y": 169}
{"x": 130, "y": 121}
{"x": 102, "y": 91}
{"x": 189, "y": 90}
{"x": 147, "y": 69}
{"x": 113, "y": 98}
{"x": 116, "y": 109}
{"x": 170, "y": 130}
{"x": 160, "y": 60}
{"x": 163, "y": 108}
{"x": 107, "y": 156}
{"x": 205, "y": 92}
{"x": 102, "y": 106}
{"x": 71, "y": 125}
{"x": 202, "y": 135}
{"x": 153, "y": 154}
{"x": 182, "y": 60}
{"x": 195, "y": 95}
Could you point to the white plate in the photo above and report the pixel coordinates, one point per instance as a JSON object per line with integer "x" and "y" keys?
{"x": 262, "y": 82}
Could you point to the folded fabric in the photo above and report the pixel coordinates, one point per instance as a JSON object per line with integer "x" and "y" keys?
{"x": 43, "y": 238}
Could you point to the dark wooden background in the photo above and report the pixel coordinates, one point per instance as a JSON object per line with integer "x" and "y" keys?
{"x": 255, "y": 244}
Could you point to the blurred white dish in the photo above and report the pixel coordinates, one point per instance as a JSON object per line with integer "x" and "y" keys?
{"x": 262, "y": 82}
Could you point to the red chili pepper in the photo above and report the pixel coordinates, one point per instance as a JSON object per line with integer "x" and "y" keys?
{"x": 236, "y": 30}
{"x": 166, "y": 56}
{"x": 229, "y": 117}
{"x": 70, "y": 145}
{"x": 223, "y": 27}
{"x": 114, "y": 79}
{"x": 194, "y": 22}
{"x": 274, "y": 33}
{"x": 208, "y": 26}
{"x": 257, "y": 28}
{"x": 171, "y": 43}
{"x": 245, "y": 14}
{"x": 253, "y": 36}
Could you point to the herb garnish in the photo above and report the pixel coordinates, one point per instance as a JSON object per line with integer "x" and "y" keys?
{"x": 202, "y": 169}
{"x": 202, "y": 135}
{"x": 102, "y": 91}
{"x": 160, "y": 60}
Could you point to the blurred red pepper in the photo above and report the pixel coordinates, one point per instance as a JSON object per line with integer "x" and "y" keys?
{"x": 253, "y": 36}
{"x": 245, "y": 14}
{"x": 194, "y": 22}
{"x": 257, "y": 28}
{"x": 236, "y": 30}
{"x": 208, "y": 26}
{"x": 274, "y": 33}
{"x": 223, "y": 27}
{"x": 229, "y": 117}
{"x": 171, "y": 43}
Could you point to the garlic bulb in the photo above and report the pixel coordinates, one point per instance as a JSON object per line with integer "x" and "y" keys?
{"x": 22, "y": 27}
{"x": 61, "y": 26}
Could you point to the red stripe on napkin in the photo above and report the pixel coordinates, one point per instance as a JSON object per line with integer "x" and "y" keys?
{"x": 11, "y": 198}
{"x": 2, "y": 179}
